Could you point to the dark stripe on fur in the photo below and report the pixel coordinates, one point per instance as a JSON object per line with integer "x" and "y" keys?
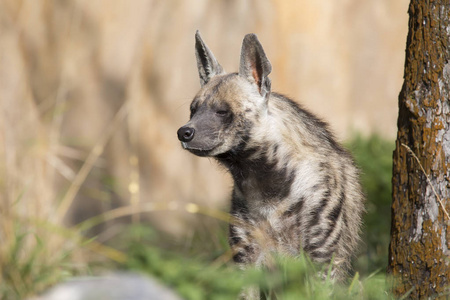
{"x": 336, "y": 211}
{"x": 327, "y": 255}
{"x": 294, "y": 209}
{"x": 316, "y": 212}
{"x": 335, "y": 241}
{"x": 239, "y": 207}
{"x": 239, "y": 257}
{"x": 234, "y": 238}
{"x": 322, "y": 241}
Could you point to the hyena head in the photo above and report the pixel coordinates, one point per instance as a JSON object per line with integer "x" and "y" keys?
{"x": 224, "y": 109}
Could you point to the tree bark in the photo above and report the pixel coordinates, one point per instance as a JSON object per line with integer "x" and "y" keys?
{"x": 419, "y": 256}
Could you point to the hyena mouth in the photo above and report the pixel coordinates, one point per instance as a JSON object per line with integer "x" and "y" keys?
{"x": 198, "y": 151}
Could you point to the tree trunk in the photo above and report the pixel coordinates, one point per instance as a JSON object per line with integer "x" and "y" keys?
{"x": 419, "y": 256}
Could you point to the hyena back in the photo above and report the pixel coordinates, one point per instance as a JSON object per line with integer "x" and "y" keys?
{"x": 295, "y": 187}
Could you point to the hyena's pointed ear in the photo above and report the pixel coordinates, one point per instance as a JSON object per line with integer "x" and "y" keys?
{"x": 206, "y": 62}
{"x": 254, "y": 64}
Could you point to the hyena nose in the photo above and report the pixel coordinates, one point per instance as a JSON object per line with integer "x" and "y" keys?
{"x": 186, "y": 134}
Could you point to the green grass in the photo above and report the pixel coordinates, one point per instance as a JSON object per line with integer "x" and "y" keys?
{"x": 28, "y": 265}
{"x": 288, "y": 278}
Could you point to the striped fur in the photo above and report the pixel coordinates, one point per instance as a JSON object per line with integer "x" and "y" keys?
{"x": 295, "y": 187}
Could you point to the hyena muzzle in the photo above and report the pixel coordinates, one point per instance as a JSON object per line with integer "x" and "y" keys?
{"x": 295, "y": 187}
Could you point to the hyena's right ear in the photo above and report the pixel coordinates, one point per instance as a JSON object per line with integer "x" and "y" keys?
{"x": 207, "y": 64}
{"x": 254, "y": 65}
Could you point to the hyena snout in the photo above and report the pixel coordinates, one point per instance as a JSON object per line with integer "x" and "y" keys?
{"x": 186, "y": 134}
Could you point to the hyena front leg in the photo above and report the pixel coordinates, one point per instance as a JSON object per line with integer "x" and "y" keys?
{"x": 245, "y": 251}
{"x": 245, "y": 254}
{"x": 242, "y": 243}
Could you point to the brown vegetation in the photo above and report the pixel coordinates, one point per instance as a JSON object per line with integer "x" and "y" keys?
{"x": 92, "y": 92}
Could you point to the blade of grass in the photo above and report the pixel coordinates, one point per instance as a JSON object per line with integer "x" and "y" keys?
{"x": 428, "y": 179}
{"x": 151, "y": 207}
{"x": 406, "y": 295}
{"x": 354, "y": 281}
{"x": 76, "y": 237}
{"x": 96, "y": 151}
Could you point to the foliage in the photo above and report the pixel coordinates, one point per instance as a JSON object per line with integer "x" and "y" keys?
{"x": 374, "y": 157}
{"x": 287, "y": 278}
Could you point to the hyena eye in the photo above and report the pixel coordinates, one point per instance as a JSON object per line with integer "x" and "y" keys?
{"x": 193, "y": 110}
{"x": 222, "y": 113}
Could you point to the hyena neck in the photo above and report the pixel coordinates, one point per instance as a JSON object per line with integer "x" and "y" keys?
{"x": 258, "y": 174}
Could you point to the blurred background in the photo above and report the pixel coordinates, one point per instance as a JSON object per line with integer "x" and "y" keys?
{"x": 93, "y": 92}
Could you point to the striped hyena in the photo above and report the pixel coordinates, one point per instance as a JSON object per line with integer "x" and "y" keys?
{"x": 295, "y": 187}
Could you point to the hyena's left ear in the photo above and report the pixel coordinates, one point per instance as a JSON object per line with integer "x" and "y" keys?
{"x": 254, "y": 64}
{"x": 206, "y": 62}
